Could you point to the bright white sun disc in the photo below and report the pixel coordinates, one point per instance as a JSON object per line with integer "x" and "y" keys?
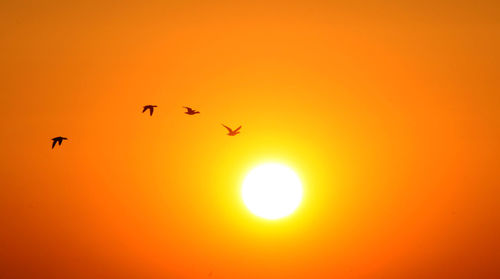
{"x": 272, "y": 191}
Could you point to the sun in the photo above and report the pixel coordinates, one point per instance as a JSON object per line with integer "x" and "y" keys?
{"x": 272, "y": 191}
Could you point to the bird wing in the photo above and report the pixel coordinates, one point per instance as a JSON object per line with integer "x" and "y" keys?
{"x": 151, "y": 111}
{"x": 229, "y": 129}
{"x": 53, "y": 143}
{"x": 237, "y": 129}
{"x": 145, "y": 108}
{"x": 60, "y": 141}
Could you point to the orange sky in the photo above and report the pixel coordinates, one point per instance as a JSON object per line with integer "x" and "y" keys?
{"x": 389, "y": 113}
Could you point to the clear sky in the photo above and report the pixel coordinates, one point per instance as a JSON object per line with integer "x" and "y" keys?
{"x": 389, "y": 113}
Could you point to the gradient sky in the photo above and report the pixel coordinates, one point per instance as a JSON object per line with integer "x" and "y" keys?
{"x": 388, "y": 112}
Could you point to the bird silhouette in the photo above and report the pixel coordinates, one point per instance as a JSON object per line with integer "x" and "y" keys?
{"x": 191, "y": 111}
{"x": 150, "y": 107}
{"x": 57, "y": 140}
{"x": 231, "y": 131}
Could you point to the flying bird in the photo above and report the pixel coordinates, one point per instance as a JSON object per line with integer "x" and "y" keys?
{"x": 150, "y": 107}
{"x": 231, "y": 131}
{"x": 191, "y": 111}
{"x": 57, "y": 140}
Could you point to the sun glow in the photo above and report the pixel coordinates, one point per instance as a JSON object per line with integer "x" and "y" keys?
{"x": 272, "y": 191}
